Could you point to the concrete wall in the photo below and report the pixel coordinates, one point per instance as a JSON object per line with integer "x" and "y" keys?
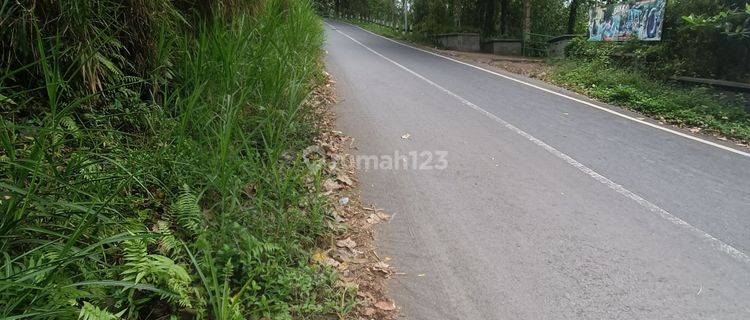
{"x": 557, "y": 46}
{"x": 506, "y": 47}
{"x": 459, "y": 41}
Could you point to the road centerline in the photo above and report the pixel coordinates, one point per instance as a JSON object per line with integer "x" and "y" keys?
{"x": 714, "y": 242}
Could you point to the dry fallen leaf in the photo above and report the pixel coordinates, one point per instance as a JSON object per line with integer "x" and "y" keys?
{"x": 345, "y": 180}
{"x": 383, "y": 215}
{"x": 369, "y": 312}
{"x": 343, "y": 266}
{"x": 336, "y": 217}
{"x": 382, "y": 267}
{"x": 331, "y": 185}
{"x": 366, "y": 295}
{"x": 320, "y": 257}
{"x": 350, "y": 256}
{"x": 373, "y": 219}
{"x": 346, "y": 243}
{"x": 385, "y": 305}
{"x": 331, "y": 262}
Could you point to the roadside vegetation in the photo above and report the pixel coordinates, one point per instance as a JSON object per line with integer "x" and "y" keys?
{"x": 701, "y": 38}
{"x": 601, "y": 72}
{"x": 151, "y": 161}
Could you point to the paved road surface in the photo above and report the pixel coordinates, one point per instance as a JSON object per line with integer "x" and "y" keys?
{"x": 548, "y": 208}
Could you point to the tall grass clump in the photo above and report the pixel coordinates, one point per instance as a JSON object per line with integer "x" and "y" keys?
{"x": 150, "y": 161}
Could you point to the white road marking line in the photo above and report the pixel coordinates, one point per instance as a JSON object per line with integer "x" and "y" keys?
{"x": 711, "y": 240}
{"x": 681, "y": 134}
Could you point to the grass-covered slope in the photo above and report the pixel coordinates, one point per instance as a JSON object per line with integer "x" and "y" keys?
{"x": 595, "y": 72}
{"x": 690, "y": 106}
{"x": 150, "y": 161}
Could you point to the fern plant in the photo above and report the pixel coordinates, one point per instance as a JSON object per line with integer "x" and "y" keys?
{"x": 92, "y": 312}
{"x": 66, "y": 127}
{"x": 158, "y": 270}
{"x": 168, "y": 244}
{"x": 186, "y": 211}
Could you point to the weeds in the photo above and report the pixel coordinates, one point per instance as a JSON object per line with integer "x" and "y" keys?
{"x": 690, "y": 106}
{"x": 635, "y": 75}
{"x": 154, "y": 171}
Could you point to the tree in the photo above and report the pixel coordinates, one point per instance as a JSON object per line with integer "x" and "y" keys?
{"x": 457, "y": 13}
{"x": 526, "y": 20}
{"x": 504, "y": 16}
{"x": 490, "y": 12}
{"x": 572, "y": 16}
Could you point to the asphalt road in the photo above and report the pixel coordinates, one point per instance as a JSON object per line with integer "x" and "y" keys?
{"x": 547, "y": 208}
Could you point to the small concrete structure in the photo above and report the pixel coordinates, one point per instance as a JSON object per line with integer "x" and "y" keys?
{"x": 468, "y": 42}
{"x": 505, "y": 47}
{"x": 557, "y": 45}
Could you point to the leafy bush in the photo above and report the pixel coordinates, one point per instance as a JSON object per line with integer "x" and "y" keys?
{"x": 581, "y": 48}
{"x": 650, "y": 58}
{"x": 733, "y": 23}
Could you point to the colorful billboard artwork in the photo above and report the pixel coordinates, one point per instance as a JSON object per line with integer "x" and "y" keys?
{"x": 626, "y": 21}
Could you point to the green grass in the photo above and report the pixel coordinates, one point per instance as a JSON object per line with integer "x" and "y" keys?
{"x": 690, "y": 106}
{"x": 173, "y": 191}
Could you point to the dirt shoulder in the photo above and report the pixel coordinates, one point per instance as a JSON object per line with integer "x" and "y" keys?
{"x": 528, "y": 67}
{"x": 352, "y": 252}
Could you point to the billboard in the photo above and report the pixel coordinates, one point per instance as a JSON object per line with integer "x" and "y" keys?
{"x": 640, "y": 20}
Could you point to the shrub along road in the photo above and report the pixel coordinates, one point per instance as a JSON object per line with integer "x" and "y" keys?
{"x": 548, "y": 208}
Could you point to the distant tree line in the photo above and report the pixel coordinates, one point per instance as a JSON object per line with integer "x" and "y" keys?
{"x": 497, "y": 18}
